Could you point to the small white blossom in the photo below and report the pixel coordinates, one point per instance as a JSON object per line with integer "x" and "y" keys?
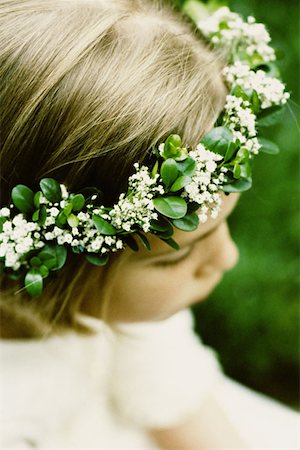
{"x": 204, "y": 183}
{"x": 271, "y": 91}
{"x": 228, "y": 30}
{"x": 4, "y": 212}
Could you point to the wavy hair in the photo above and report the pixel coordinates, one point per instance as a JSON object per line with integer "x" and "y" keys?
{"x": 88, "y": 87}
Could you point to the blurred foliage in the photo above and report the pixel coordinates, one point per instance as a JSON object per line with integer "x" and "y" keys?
{"x": 252, "y": 317}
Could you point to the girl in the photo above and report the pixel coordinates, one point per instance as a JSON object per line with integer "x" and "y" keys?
{"x": 105, "y": 357}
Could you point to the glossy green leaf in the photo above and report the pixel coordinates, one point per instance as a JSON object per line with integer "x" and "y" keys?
{"x": 68, "y": 209}
{"x": 42, "y": 215}
{"x": 241, "y": 185}
{"x": 187, "y": 223}
{"x": 78, "y": 202}
{"x": 246, "y": 170}
{"x": 218, "y": 140}
{"x": 144, "y": 240}
{"x": 35, "y": 215}
{"x": 171, "y": 243}
{"x": 103, "y": 226}
{"x": 268, "y": 146}
{"x": 34, "y": 282}
{"x": 169, "y": 172}
{"x": 35, "y": 261}
{"x": 162, "y": 225}
{"x": 22, "y": 197}
{"x": 255, "y": 102}
{"x": 173, "y": 207}
{"x": 61, "y": 219}
{"x": 51, "y": 189}
{"x": 180, "y": 183}
{"x": 172, "y": 146}
{"x": 231, "y": 150}
{"x": 154, "y": 170}
{"x": 131, "y": 242}
{"x": 53, "y": 256}
{"x": 73, "y": 221}
{"x": 44, "y": 271}
{"x": 97, "y": 260}
{"x": 37, "y": 198}
{"x": 187, "y": 167}
{"x": 237, "y": 171}
{"x": 270, "y": 116}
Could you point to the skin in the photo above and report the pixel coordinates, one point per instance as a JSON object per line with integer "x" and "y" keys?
{"x": 151, "y": 286}
{"x": 144, "y": 286}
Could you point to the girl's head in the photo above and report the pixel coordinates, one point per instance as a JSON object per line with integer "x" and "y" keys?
{"x": 88, "y": 87}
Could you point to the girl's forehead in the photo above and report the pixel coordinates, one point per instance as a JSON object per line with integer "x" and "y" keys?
{"x": 184, "y": 238}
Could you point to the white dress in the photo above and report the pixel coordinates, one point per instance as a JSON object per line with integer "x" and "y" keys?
{"x": 102, "y": 391}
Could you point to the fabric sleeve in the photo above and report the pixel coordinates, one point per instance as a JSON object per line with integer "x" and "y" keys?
{"x": 162, "y": 372}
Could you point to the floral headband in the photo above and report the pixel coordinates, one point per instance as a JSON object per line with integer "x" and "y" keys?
{"x": 181, "y": 189}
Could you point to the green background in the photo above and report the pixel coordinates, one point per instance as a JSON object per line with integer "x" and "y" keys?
{"x": 252, "y": 318}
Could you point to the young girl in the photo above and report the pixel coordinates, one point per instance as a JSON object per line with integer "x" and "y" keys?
{"x": 104, "y": 356}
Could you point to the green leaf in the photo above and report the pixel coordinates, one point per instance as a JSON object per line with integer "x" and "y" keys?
{"x": 53, "y": 256}
{"x": 270, "y": 116}
{"x": 61, "y": 219}
{"x": 187, "y": 223}
{"x": 246, "y": 171}
{"x": 171, "y": 243}
{"x": 51, "y": 190}
{"x": 42, "y": 215}
{"x": 268, "y": 146}
{"x": 162, "y": 227}
{"x": 180, "y": 183}
{"x": 34, "y": 282}
{"x": 172, "y": 146}
{"x": 97, "y": 260}
{"x": 78, "y": 202}
{"x": 36, "y": 199}
{"x": 187, "y": 167}
{"x": 44, "y": 271}
{"x": 173, "y": 207}
{"x": 241, "y": 185}
{"x": 233, "y": 146}
{"x": 218, "y": 140}
{"x": 73, "y": 221}
{"x": 237, "y": 171}
{"x": 35, "y": 215}
{"x": 144, "y": 240}
{"x": 103, "y": 226}
{"x": 192, "y": 207}
{"x": 242, "y": 155}
{"x": 169, "y": 172}
{"x": 255, "y": 102}
{"x": 22, "y": 197}
{"x": 35, "y": 261}
{"x": 131, "y": 242}
{"x": 67, "y": 209}
{"x": 154, "y": 170}
{"x": 2, "y": 220}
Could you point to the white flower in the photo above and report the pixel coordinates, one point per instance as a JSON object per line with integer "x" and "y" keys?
{"x": 228, "y": 30}
{"x": 64, "y": 192}
{"x": 271, "y": 91}
{"x": 4, "y": 212}
{"x": 137, "y": 208}
{"x": 204, "y": 183}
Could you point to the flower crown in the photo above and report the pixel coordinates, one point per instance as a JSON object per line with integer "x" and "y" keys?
{"x": 181, "y": 189}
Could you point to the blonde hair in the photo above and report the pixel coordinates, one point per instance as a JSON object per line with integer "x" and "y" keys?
{"x": 87, "y": 88}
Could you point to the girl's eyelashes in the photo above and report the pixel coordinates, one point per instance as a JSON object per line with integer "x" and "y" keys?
{"x": 174, "y": 262}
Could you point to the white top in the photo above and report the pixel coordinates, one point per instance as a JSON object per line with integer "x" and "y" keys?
{"x": 102, "y": 391}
